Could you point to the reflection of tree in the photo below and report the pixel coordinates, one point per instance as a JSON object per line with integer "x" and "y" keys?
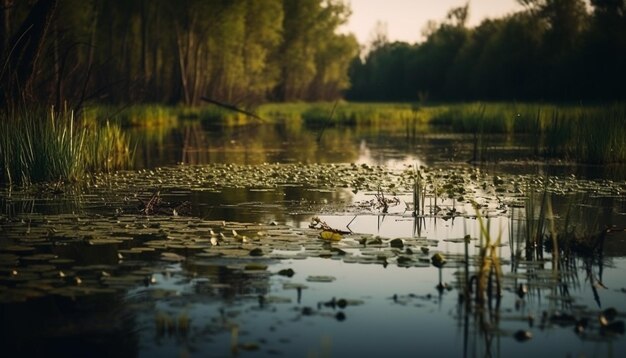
{"x": 59, "y": 326}
{"x": 227, "y": 281}
{"x": 245, "y": 205}
{"x": 195, "y": 145}
{"x": 253, "y": 144}
{"x": 150, "y": 146}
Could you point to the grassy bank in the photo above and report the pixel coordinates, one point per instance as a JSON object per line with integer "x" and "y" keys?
{"x": 313, "y": 114}
{"x": 43, "y": 146}
{"x": 589, "y": 134}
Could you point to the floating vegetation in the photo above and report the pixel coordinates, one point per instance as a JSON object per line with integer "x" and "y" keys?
{"x": 208, "y": 278}
{"x": 155, "y": 205}
{"x": 330, "y": 236}
{"x": 320, "y": 279}
{"x": 446, "y": 194}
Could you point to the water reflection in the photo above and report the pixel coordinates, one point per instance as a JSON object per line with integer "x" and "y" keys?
{"x": 96, "y": 271}
{"x": 61, "y": 326}
{"x": 192, "y": 143}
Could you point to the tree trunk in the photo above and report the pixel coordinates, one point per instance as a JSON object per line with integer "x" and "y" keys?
{"x": 5, "y": 27}
{"x": 26, "y": 47}
{"x": 91, "y": 55}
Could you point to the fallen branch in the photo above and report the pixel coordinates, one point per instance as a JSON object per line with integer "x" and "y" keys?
{"x": 232, "y": 108}
{"x": 155, "y": 206}
{"x": 316, "y": 223}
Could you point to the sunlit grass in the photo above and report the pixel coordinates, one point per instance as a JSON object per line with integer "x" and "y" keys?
{"x": 488, "y": 262}
{"x": 39, "y": 145}
{"x": 379, "y": 115}
{"x": 139, "y": 115}
{"x": 589, "y": 134}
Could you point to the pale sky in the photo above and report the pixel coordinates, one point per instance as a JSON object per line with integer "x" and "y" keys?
{"x": 405, "y": 19}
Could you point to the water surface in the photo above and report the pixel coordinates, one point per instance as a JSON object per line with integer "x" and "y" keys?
{"x": 83, "y": 272}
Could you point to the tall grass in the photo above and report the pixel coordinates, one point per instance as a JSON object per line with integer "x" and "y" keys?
{"x": 590, "y": 134}
{"x": 140, "y": 115}
{"x": 377, "y": 115}
{"x": 489, "y": 265}
{"x": 107, "y": 147}
{"x": 43, "y": 145}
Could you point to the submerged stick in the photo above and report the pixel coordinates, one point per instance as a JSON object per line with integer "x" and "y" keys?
{"x": 332, "y": 112}
{"x": 232, "y": 108}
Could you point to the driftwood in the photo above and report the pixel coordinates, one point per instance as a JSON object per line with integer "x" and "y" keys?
{"x": 317, "y": 223}
{"x": 232, "y": 108}
{"x": 156, "y": 206}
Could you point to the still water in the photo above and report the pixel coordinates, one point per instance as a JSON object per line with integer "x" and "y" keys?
{"x": 242, "y": 269}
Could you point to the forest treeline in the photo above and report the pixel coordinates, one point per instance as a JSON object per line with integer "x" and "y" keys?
{"x": 236, "y": 51}
{"x": 246, "y": 52}
{"x": 554, "y": 50}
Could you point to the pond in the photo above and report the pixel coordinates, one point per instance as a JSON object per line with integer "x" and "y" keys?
{"x": 270, "y": 240}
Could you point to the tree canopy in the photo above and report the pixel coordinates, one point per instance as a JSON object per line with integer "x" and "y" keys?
{"x": 236, "y": 51}
{"x": 553, "y": 50}
{"x": 245, "y": 52}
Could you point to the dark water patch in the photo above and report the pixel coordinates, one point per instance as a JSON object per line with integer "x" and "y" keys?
{"x": 250, "y": 271}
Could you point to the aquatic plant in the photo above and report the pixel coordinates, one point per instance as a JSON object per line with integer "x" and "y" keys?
{"x": 39, "y": 145}
{"x": 589, "y": 134}
{"x": 145, "y": 115}
{"x": 489, "y": 265}
{"x": 106, "y": 148}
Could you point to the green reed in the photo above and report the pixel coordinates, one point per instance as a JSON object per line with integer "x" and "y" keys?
{"x": 589, "y": 134}
{"x": 489, "y": 265}
{"x": 39, "y": 145}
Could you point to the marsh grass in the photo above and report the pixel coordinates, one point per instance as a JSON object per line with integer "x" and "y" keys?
{"x": 419, "y": 191}
{"x": 589, "y": 134}
{"x": 316, "y": 115}
{"x": 600, "y": 136}
{"x": 581, "y": 231}
{"x": 107, "y": 147}
{"x": 354, "y": 114}
{"x": 489, "y": 265}
{"x": 535, "y": 212}
{"x": 141, "y": 115}
{"x": 38, "y": 145}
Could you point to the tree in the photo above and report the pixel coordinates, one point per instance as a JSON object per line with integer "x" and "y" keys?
{"x": 309, "y": 26}
{"x": 26, "y": 47}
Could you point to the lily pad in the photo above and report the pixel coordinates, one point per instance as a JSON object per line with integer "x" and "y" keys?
{"x": 330, "y": 235}
{"x": 320, "y": 278}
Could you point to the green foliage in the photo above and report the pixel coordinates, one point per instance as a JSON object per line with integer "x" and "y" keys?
{"x": 376, "y": 115}
{"x": 106, "y": 148}
{"x": 39, "y": 146}
{"x": 243, "y": 52}
{"x": 314, "y": 59}
{"x": 553, "y": 50}
{"x": 590, "y": 134}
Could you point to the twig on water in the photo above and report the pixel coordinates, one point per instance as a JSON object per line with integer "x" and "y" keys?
{"x": 232, "y": 108}
{"x": 332, "y": 112}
